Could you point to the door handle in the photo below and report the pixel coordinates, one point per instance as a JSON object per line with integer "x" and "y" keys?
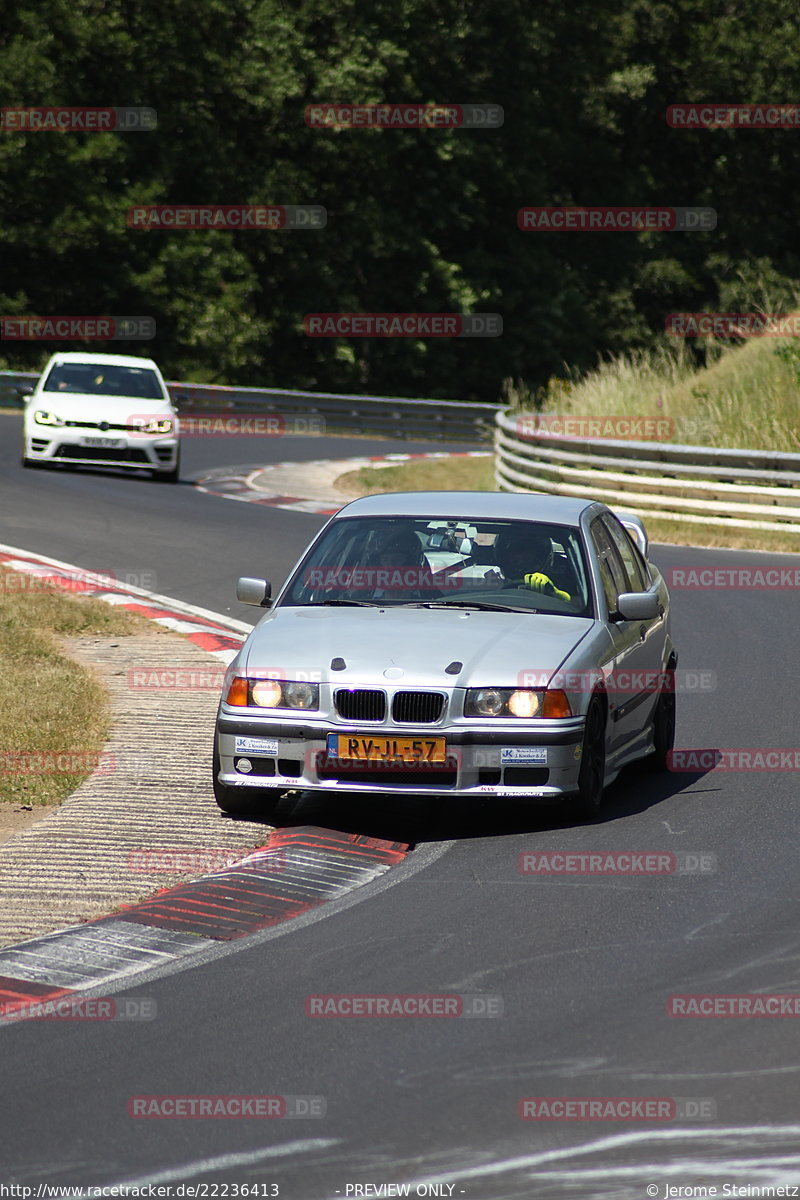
{"x": 642, "y": 632}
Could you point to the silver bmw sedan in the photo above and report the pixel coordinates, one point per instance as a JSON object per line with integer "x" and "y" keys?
{"x": 472, "y": 643}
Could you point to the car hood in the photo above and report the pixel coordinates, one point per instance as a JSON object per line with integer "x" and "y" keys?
{"x": 73, "y": 406}
{"x": 415, "y": 645}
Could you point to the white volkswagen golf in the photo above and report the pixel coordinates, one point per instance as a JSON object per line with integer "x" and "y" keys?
{"x": 102, "y": 410}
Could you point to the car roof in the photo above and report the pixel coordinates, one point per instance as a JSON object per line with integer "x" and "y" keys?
{"x": 520, "y": 506}
{"x": 106, "y": 360}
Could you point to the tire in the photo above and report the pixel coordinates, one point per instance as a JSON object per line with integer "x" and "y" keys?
{"x": 243, "y": 802}
{"x": 170, "y": 476}
{"x": 663, "y": 732}
{"x": 588, "y": 800}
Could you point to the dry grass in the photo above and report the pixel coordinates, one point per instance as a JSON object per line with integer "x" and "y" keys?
{"x": 746, "y": 398}
{"x": 49, "y": 705}
{"x": 422, "y": 475}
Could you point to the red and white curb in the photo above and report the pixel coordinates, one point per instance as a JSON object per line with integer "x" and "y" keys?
{"x": 217, "y": 635}
{"x": 232, "y": 485}
{"x": 300, "y": 868}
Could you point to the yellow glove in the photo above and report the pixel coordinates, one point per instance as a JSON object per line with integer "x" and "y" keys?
{"x": 542, "y": 583}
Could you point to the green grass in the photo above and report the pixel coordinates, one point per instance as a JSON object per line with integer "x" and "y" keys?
{"x": 49, "y": 704}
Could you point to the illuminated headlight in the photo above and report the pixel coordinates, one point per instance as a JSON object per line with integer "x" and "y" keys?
{"x": 161, "y": 425}
{"x": 272, "y": 693}
{"x": 516, "y": 702}
{"x": 47, "y": 418}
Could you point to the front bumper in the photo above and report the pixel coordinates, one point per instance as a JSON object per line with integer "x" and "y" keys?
{"x": 541, "y": 763}
{"x": 93, "y": 447}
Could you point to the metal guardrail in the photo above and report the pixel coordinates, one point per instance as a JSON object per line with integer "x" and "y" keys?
{"x": 741, "y": 489}
{"x": 454, "y": 420}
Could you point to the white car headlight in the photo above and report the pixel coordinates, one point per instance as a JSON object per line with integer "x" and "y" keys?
{"x": 47, "y": 418}
{"x": 158, "y": 425}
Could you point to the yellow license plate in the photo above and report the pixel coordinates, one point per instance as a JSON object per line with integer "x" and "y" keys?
{"x": 387, "y": 749}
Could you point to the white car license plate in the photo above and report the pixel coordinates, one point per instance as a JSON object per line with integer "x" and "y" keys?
{"x": 107, "y": 443}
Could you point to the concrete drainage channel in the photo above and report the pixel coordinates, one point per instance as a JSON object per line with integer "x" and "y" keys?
{"x": 296, "y": 872}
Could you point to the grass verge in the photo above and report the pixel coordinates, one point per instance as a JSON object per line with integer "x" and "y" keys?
{"x": 477, "y": 474}
{"x": 50, "y": 706}
{"x": 745, "y": 397}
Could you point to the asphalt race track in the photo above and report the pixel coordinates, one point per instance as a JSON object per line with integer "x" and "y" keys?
{"x": 583, "y": 965}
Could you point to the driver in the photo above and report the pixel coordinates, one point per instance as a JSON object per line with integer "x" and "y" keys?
{"x": 399, "y": 552}
{"x": 524, "y": 554}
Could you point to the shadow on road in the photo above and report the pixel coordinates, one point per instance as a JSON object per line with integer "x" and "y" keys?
{"x": 419, "y": 819}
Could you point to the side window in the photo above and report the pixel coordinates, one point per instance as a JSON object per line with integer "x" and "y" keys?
{"x": 637, "y": 579}
{"x": 612, "y": 571}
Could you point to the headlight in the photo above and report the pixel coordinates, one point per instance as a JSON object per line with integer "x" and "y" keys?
{"x": 272, "y": 693}
{"x": 517, "y": 702}
{"x": 485, "y": 702}
{"x": 47, "y": 418}
{"x": 161, "y": 425}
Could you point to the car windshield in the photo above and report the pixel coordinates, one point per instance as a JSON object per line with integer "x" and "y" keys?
{"x": 98, "y": 379}
{"x": 524, "y": 566}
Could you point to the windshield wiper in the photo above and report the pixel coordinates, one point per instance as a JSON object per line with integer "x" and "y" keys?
{"x": 479, "y": 604}
{"x": 347, "y": 603}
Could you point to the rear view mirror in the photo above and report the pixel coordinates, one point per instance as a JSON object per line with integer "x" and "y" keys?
{"x": 639, "y": 606}
{"x": 254, "y": 591}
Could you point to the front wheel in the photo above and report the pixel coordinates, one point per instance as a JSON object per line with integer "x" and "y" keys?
{"x": 171, "y": 476}
{"x": 588, "y": 800}
{"x": 243, "y": 802}
{"x": 663, "y": 731}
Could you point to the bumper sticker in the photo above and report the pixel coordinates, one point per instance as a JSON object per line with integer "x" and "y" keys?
{"x": 253, "y": 745}
{"x": 523, "y": 754}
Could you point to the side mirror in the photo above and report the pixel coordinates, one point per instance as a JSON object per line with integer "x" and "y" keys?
{"x": 254, "y": 591}
{"x": 24, "y": 390}
{"x": 639, "y": 606}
